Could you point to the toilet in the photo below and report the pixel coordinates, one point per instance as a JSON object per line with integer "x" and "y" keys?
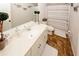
{"x": 50, "y": 28}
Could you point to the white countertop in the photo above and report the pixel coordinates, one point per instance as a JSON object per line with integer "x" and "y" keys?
{"x": 20, "y": 44}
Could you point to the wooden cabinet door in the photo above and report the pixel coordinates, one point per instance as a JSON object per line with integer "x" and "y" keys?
{"x": 28, "y": 53}
{"x": 35, "y": 49}
{"x": 39, "y": 45}
{"x": 42, "y": 43}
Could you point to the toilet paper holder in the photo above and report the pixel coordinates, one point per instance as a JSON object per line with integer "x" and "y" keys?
{"x": 44, "y": 19}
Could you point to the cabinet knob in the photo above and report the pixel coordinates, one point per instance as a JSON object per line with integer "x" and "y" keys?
{"x": 39, "y": 46}
{"x": 9, "y": 20}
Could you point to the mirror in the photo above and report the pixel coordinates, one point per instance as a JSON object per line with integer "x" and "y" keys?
{"x": 19, "y": 13}
{"x": 22, "y": 13}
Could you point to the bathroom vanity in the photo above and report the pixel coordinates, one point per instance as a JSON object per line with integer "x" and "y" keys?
{"x": 39, "y": 45}
{"x": 28, "y": 39}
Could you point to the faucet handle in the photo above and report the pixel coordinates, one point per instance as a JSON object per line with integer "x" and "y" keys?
{"x": 6, "y": 35}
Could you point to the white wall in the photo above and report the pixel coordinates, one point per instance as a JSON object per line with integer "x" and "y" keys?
{"x": 74, "y": 29}
{"x": 19, "y": 15}
{"x": 6, "y": 8}
{"x": 43, "y": 11}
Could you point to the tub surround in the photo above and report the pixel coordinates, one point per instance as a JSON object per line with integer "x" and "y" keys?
{"x": 21, "y": 38}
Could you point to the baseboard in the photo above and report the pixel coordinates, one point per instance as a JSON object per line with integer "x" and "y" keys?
{"x": 69, "y": 36}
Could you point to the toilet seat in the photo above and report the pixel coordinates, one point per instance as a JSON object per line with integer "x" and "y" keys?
{"x": 50, "y": 29}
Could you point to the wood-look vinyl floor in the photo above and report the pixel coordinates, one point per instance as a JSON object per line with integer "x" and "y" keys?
{"x": 62, "y": 44}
